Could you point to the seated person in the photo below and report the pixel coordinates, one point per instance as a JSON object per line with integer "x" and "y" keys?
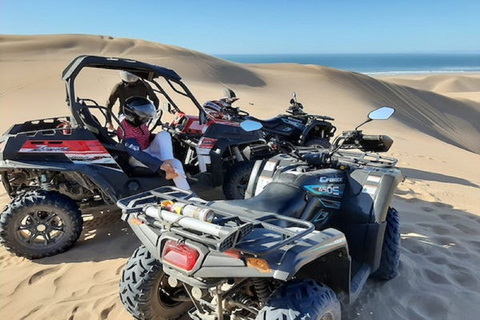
{"x": 152, "y": 151}
{"x": 131, "y": 86}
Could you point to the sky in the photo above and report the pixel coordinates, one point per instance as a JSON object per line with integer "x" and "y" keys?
{"x": 260, "y": 26}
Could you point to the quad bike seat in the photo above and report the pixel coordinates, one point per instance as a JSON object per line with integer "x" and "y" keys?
{"x": 279, "y": 198}
{"x": 269, "y": 123}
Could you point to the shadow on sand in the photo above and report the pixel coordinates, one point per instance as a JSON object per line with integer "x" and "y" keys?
{"x": 106, "y": 236}
{"x": 438, "y": 177}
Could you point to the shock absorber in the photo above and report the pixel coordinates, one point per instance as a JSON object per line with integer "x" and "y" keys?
{"x": 262, "y": 289}
{"x": 44, "y": 183}
{"x": 237, "y": 153}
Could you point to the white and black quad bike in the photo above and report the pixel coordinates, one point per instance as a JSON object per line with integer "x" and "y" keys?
{"x": 314, "y": 227}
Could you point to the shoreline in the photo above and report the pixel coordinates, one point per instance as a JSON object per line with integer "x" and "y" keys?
{"x": 420, "y": 73}
{"x": 371, "y": 63}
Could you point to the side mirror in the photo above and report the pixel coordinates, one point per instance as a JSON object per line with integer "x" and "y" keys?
{"x": 382, "y": 113}
{"x": 250, "y": 125}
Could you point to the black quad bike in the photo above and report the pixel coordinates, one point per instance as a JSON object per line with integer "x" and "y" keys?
{"x": 217, "y": 152}
{"x": 54, "y": 169}
{"x": 317, "y": 226}
{"x": 297, "y": 126}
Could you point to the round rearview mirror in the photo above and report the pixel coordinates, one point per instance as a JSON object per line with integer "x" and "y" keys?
{"x": 250, "y": 125}
{"x": 382, "y": 113}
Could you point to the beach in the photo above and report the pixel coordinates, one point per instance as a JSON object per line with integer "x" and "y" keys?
{"x": 436, "y": 133}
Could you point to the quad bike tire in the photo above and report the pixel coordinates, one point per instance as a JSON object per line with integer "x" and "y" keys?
{"x": 390, "y": 259}
{"x": 301, "y": 299}
{"x": 40, "y": 224}
{"x": 318, "y": 143}
{"x": 145, "y": 292}
{"x": 236, "y": 180}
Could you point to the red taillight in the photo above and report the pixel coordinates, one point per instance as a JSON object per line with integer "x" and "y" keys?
{"x": 179, "y": 255}
{"x": 207, "y": 143}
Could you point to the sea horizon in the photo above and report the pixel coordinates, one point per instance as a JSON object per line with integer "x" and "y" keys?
{"x": 372, "y": 63}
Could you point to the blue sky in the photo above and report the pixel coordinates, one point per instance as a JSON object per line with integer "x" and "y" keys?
{"x": 260, "y": 26}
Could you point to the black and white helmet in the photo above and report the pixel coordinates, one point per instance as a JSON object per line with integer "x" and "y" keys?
{"x": 138, "y": 110}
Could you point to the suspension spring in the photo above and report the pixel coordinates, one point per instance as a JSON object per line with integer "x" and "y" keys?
{"x": 243, "y": 299}
{"x": 262, "y": 289}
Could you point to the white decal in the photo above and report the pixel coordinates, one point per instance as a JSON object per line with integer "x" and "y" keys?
{"x": 261, "y": 184}
{"x": 270, "y": 165}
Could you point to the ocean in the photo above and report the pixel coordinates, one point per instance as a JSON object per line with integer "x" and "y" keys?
{"x": 373, "y": 63}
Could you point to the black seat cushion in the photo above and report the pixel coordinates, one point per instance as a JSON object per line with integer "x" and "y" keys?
{"x": 276, "y": 198}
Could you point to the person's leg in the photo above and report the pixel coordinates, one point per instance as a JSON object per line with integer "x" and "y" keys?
{"x": 161, "y": 148}
{"x": 180, "y": 180}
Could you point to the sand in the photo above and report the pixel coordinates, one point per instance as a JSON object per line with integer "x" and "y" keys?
{"x": 436, "y": 130}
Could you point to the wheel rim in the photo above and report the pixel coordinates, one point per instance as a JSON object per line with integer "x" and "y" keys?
{"x": 40, "y": 228}
{"x": 327, "y": 316}
{"x": 169, "y": 296}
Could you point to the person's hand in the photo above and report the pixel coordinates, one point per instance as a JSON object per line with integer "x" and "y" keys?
{"x": 167, "y": 166}
{"x": 110, "y": 126}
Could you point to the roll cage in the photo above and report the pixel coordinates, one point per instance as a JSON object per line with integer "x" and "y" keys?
{"x": 143, "y": 70}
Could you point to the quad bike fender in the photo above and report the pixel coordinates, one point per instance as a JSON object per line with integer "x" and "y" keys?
{"x": 147, "y": 235}
{"x": 316, "y": 254}
{"x": 325, "y": 259}
{"x": 312, "y": 247}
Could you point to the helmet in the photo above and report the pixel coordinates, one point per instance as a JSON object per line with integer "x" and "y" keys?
{"x": 138, "y": 110}
{"x": 128, "y": 77}
{"x": 215, "y": 108}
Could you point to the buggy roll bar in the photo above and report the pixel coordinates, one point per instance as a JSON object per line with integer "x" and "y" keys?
{"x": 143, "y": 70}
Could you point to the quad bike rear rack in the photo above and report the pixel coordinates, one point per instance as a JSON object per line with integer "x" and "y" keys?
{"x": 365, "y": 159}
{"x": 234, "y": 228}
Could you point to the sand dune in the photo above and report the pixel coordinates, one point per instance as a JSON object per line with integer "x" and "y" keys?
{"x": 458, "y": 86}
{"x": 440, "y": 82}
{"x": 437, "y": 140}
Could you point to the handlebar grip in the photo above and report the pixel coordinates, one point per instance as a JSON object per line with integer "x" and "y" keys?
{"x": 371, "y": 137}
{"x": 375, "y": 143}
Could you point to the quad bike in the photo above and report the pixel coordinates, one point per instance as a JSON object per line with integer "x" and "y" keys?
{"x": 57, "y": 168}
{"x": 217, "y": 152}
{"x": 296, "y": 127}
{"x": 316, "y": 226}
